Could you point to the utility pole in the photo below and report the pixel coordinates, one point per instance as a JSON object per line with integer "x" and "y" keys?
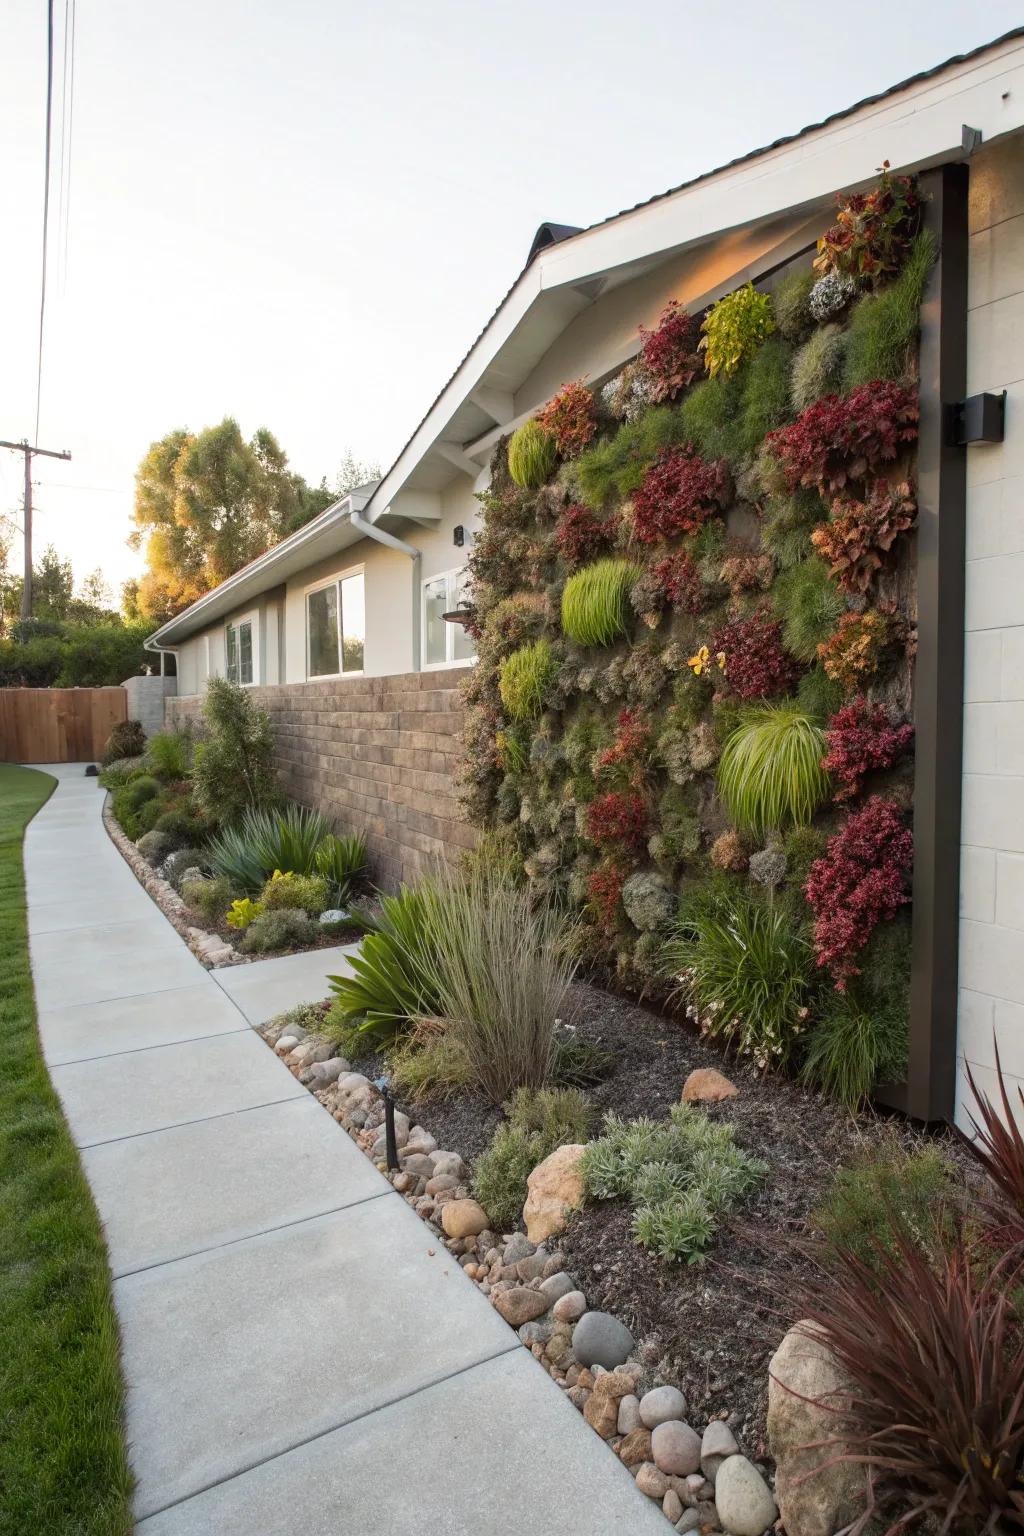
{"x": 29, "y": 452}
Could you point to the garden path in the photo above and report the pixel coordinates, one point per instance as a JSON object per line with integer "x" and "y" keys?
{"x": 301, "y": 1355}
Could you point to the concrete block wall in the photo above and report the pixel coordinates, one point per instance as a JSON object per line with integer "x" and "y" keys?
{"x": 146, "y": 697}
{"x": 992, "y": 841}
{"x": 378, "y": 755}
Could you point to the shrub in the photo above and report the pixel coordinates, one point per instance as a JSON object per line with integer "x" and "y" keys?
{"x": 682, "y": 1175}
{"x": 854, "y": 653}
{"x": 139, "y": 790}
{"x": 531, "y": 455}
{"x": 182, "y": 827}
{"x": 243, "y": 912}
{"x": 285, "y": 929}
{"x": 76, "y": 656}
{"x": 581, "y": 535}
{"x": 735, "y": 328}
{"x": 233, "y": 768}
{"x": 154, "y": 847}
{"x": 617, "y": 822}
{"x": 301, "y": 893}
{"x": 127, "y": 804}
{"x": 678, "y": 494}
{"x": 343, "y": 862}
{"x": 742, "y": 967}
{"x": 537, "y": 1121}
{"x": 504, "y": 970}
{"x": 792, "y": 306}
{"x": 170, "y": 754}
{"x": 860, "y": 881}
{"x": 595, "y": 602}
{"x": 210, "y": 898}
{"x": 619, "y": 463}
{"x": 862, "y": 739}
{"x": 288, "y": 839}
{"x": 881, "y": 1194}
{"x": 570, "y": 419}
{"x": 182, "y": 859}
{"x": 525, "y": 678}
{"x": 770, "y": 772}
{"x": 871, "y": 236}
{"x": 817, "y": 367}
{"x": 809, "y": 606}
{"x": 669, "y": 354}
{"x": 846, "y": 437}
{"x": 672, "y": 582}
{"x": 122, "y": 770}
{"x": 393, "y": 978}
{"x": 883, "y": 327}
{"x": 127, "y": 739}
{"x": 860, "y": 534}
{"x": 830, "y": 295}
{"x": 755, "y": 664}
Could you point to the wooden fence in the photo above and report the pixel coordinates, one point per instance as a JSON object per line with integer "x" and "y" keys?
{"x": 58, "y": 725}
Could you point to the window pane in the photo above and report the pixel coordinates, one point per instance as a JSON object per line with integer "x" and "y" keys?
{"x": 231, "y": 654}
{"x": 353, "y": 621}
{"x": 322, "y": 629}
{"x": 245, "y": 653}
{"x": 463, "y": 644}
{"x": 435, "y": 602}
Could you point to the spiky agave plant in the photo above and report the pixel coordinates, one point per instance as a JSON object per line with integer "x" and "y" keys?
{"x": 595, "y": 601}
{"x": 531, "y": 455}
{"x": 770, "y": 773}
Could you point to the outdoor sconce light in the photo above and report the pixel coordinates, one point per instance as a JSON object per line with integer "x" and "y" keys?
{"x": 979, "y": 419}
{"x": 458, "y": 536}
{"x": 384, "y": 1085}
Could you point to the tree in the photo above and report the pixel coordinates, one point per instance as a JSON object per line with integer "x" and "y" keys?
{"x": 206, "y": 504}
{"x": 352, "y": 473}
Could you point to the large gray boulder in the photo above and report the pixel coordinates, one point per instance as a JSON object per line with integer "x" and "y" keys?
{"x": 600, "y": 1339}
{"x": 805, "y": 1390}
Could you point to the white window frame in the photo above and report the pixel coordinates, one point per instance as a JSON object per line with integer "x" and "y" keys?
{"x": 449, "y": 642}
{"x": 318, "y": 586}
{"x": 252, "y": 618}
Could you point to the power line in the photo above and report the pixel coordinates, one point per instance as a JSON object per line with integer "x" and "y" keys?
{"x": 46, "y": 213}
{"x": 69, "y": 46}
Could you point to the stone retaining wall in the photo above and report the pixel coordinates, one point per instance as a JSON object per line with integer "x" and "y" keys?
{"x": 377, "y": 755}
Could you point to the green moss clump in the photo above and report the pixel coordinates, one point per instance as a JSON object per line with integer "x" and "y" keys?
{"x": 792, "y": 308}
{"x": 818, "y": 366}
{"x": 883, "y": 327}
{"x": 531, "y": 455}
{"x": 764, "y": 400}
{"x": 819, "y": 694}
{"x": 709, "y": 414}
{"x": 809, "y": 604}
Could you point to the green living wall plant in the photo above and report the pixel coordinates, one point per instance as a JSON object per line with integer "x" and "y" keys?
{"x": 671, "y": 643}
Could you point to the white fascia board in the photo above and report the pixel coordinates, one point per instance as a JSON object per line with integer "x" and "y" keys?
{"x": 920, "y": 125}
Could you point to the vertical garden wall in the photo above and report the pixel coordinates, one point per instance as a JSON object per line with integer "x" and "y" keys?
{"x": 696, "y": 608}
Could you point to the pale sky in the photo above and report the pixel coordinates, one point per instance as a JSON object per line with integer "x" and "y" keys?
{"x": 301, "y": 212}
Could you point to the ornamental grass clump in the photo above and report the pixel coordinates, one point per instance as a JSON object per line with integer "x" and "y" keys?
{"x": 861, "y": 880}
{"x": 882, "y": 334}
{"x": 537, "y": 1121}
{"x": 809, "y": 605}
{"x": 595, "y": 602}
{"x": 858, "y": 1041}
{"x": 682, "y": 1176}
{"x": 770, "y": 774}
{"x": 998, "y": 1149}
{"x": 735, "y": 328}
{"x": 532, "y": 453}
{"x": 742, "y": 969}
{"x": 524, "y": 679}
{"x": 818, "y": 366}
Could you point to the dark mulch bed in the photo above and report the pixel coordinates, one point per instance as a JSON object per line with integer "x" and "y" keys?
{"x": 710, "y": 1328}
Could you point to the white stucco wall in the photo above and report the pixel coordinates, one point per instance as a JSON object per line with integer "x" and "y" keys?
{"x": 992, "y": 857}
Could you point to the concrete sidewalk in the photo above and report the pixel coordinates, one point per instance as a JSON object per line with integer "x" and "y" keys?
{"x": 301, "y": 1357}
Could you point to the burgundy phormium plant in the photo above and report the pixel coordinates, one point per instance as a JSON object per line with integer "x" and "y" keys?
{"x": 581, "y": 535}
{"x": 998, "y": 1148}
{"x": 570, "y": 418}
{"x": 618, "y": 823}
{"x": 678, "y": 494}
{"x": 935, "y": 1358}
{"x": 859, "y": 535}
{"x": 859, "y": 881}
{"x": 669, "y": 354}
{"x": 757, "y": 665}
{"x": 846, "y": 437}
{"x": 862, "y": 739}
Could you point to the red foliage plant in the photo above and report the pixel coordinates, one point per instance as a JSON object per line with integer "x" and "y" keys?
{"x": 859, "y": 881}
{"x": 934, "y": 1356}
{"x": 873, "y": 230}
{"x": 846, "y": 437}
{"x": 678, "y": 577}
{"x": 630, "y": 749}
{"x": 756, "y": 666}
{"x": 581, "y": 535}
{"x": 570, "y": 417}
{"x": 669, "y": 354}
{"x": 678, "y": 494}
{"x": 618, "y": 823}
{"x": 604, "y": 889}
{"x": 859, "y": 534}
{"x": 862, "y": 739}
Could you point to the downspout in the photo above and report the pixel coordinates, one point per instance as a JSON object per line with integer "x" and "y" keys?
{"x": 371, "y": 531}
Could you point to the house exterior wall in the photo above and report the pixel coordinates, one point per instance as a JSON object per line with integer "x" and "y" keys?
{"x": 145, "y": 698}
{"x": 992, "y": 855}
{"x": 377, "y": 756}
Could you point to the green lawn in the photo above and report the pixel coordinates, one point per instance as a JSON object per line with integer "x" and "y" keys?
{"x": 63, "y": 1465}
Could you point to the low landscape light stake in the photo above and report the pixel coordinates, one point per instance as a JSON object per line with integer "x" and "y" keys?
{"x": 384, "y": 1084}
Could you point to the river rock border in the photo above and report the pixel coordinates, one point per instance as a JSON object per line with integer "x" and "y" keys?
{"x": 702, "y": 1482}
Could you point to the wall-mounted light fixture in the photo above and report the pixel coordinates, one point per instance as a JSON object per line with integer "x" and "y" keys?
{"x": 458, "y": 536}
{"x": 978, "y": 419}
